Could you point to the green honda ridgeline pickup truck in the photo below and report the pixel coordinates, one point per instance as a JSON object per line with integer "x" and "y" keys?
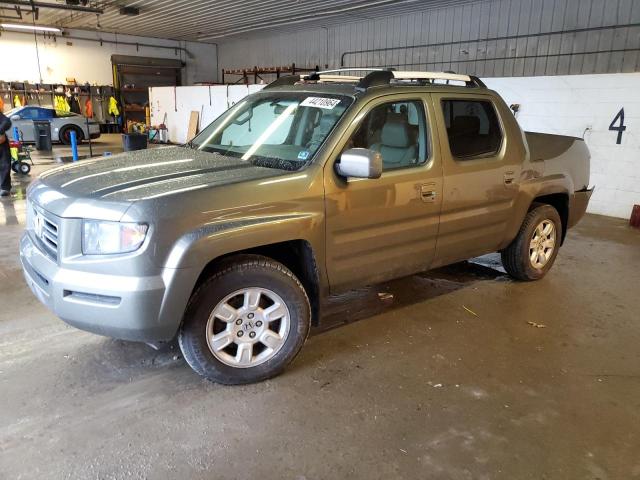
{"x": 314, "y": 185}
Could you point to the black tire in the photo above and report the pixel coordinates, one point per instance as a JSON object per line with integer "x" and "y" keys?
{"x": 24, "y": 168}
{"x": 14, "y": 167}
{"x": 516, "y": 257}
{"x": 65, "y": 134}
{"x": 246, "y": 271}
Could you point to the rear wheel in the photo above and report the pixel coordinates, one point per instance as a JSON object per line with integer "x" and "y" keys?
{"x": 65, "y": 134}
{"x": 246, "y": 323}
{"x": 532, "y": 253}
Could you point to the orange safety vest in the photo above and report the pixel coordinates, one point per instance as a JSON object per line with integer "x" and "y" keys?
{"x": 88, "y": 108}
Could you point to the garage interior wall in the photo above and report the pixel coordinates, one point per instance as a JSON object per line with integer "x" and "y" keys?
{"x": 495, "y": 38}
{"x": 541, "y": 55}
{"x": 89, "y": 61}
{"x": 584, "y": 106}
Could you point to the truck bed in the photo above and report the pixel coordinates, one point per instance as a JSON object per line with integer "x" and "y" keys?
{"x": 562, "y": 155}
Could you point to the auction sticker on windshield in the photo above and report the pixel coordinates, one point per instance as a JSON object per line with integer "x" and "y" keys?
{"x": 320, "y": 102}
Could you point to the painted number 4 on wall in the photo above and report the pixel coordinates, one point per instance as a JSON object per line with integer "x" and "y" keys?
{"x": 620, "y": 127}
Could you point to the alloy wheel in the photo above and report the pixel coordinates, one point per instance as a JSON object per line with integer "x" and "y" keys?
{"x": 542, "y": 244}
{"x": 248, "y": 327}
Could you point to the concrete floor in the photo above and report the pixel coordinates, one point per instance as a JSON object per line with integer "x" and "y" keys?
{"x": 414, "y": 386}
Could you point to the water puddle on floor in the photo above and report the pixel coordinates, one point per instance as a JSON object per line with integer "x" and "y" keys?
{"x": 13, "y": 209}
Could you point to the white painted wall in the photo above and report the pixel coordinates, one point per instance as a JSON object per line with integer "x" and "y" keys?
{"x": 178, "y": 103}
{"x": 584, "y": 106}
{"x": 88, "y": 61}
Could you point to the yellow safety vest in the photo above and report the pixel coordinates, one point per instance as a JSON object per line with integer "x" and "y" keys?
{"x": 61, "y": 104}
{"x": 113, "y": 107}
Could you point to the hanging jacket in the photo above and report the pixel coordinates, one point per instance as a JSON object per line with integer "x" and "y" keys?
{"x": 61, "y": 104}
{"x": 113, "y": 107}
{"x": 74, "y": 104}
{"x": 88, "y": 108}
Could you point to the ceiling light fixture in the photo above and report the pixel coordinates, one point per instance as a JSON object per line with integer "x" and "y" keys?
{"x": 31, "y": 28}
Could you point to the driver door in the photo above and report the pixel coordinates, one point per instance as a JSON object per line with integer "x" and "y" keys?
{"x": 377, "y": 229}
{"x": 25, "y": 124}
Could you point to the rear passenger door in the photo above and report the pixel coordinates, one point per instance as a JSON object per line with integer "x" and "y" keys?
{"x": 482, "y": 167}
{"x": 387, "y": 227}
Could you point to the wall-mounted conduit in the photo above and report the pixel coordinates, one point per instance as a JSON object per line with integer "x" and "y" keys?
{"x": 492, "y": 39}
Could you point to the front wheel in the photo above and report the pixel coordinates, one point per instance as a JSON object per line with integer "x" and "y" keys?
{"x": 532, "y": 253}
{"x": 246, "y": 323}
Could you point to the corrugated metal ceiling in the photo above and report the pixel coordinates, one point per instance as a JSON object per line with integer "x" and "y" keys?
{"x": 210, "y": 21}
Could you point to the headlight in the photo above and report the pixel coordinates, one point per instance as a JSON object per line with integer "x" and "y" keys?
{"x": 104, "y": 238}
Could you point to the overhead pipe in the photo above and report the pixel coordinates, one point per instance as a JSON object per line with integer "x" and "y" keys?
{"x": 53, "y": 6}
{"x": 118, "y": 42}
{"x": 487, "y": 39}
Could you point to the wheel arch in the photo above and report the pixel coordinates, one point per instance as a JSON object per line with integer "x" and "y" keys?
{"x": 559, "y": 201}
{"x": 297, "y": 255}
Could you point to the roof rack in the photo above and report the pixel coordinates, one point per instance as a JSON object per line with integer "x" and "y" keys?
{"x": 383, "y": 77}
{"x": 378, "y": 77}
{"x": 331, "y": 75}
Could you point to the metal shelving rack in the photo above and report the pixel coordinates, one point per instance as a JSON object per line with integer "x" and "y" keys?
{"x": 133, "y": 76}
{"x": 257, "y": 72}
{"x": 43, "y": 95}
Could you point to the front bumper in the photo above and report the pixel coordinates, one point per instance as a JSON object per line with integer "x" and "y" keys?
{"x": 129, "y": 308}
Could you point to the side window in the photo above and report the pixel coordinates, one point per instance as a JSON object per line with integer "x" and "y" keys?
{"x": 29, "y": 114}
{"x": 47, "y": 113}
{"x": 472, "y": 127}
{"x": 398, "y": 131}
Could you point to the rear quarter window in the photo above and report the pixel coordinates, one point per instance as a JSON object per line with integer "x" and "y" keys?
{"x": 473, "y": 128}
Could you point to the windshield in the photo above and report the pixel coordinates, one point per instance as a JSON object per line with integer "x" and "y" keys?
{"x": 281, "y": 130}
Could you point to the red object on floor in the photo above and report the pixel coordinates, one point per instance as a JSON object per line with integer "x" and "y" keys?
{"x": 634, "y": 221}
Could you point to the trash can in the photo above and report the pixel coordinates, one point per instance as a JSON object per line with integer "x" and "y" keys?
{"x": 42, "y": 135}
{"x": 134, "y": 141}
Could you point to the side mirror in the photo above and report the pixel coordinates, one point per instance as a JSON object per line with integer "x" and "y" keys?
{"x": 15, "y": 117}
{"x": 360, "y": 163}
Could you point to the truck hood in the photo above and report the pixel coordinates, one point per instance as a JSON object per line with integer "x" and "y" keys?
{"x": 154, "y": 173}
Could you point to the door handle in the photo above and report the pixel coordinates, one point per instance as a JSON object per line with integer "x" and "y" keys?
{"x": 509, "y": 177}
{"x": 428, "y": 193}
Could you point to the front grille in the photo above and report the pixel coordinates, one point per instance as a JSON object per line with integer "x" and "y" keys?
{"x": 50, "y": 235}
{"x": 45, "y": 228}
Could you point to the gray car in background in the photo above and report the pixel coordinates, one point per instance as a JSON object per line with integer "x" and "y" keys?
{"x": 62, "y": 124}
